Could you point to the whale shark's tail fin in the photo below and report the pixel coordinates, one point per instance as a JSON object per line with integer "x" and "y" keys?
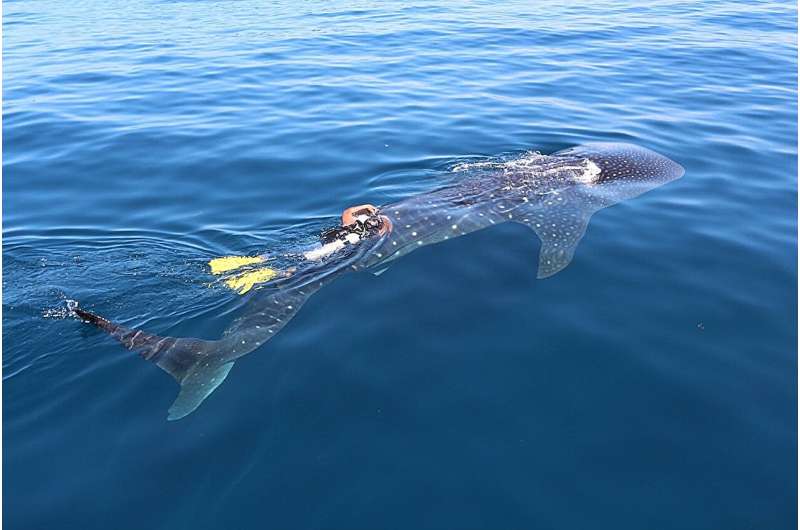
{"x": 200, "y": 366}
{"x": 197, "y": 365}
{"x": 616, "y": 172}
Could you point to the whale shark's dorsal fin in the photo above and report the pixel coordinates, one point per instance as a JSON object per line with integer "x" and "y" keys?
{"x": 618, "y": 171}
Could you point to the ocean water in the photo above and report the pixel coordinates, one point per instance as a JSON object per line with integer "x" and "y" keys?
{"x": 651, "y": 384}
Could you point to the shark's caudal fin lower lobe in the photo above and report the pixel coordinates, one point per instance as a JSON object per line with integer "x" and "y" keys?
{"x": 196, "y": 365}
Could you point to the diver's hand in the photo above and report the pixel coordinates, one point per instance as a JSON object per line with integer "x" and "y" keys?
{"x": 387, "y": 225}
{"x": 349, "y": 215}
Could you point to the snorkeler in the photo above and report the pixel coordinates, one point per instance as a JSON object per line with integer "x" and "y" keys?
{"x": 358, "y": 223}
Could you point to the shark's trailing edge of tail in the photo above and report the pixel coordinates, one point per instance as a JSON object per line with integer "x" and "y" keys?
{"x": 197, "y": 365}
{"x": 200, "y": 366}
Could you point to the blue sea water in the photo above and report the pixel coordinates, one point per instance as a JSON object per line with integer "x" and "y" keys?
{"x": 651, "y": 384}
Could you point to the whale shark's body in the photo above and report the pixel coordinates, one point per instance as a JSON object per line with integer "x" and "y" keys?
{"x": 554, "y": 195}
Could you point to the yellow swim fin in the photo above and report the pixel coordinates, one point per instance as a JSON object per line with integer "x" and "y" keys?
{"x": 229, "y": 263}
{"x": 242, "y": 283}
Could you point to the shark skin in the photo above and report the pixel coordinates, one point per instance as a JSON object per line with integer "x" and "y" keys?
{"x": 554, "y": 195}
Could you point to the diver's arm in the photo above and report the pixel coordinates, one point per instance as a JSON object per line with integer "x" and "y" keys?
{"x": 386, "y": 226}
{"x": 350, "y": 215}
{"x": 322, "y": 251}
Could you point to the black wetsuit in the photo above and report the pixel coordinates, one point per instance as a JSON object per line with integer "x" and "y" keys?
{"x": 368, "y": 227}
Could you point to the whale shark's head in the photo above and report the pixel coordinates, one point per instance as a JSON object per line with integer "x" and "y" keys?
{"x": 624, "y": 170}
{"x": 603, "y": 175}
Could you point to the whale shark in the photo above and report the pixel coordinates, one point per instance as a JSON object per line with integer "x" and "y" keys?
{"x": 554, "y": 195}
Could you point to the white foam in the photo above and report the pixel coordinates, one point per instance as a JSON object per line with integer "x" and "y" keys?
{"x": 65, "y": 311}
{"x": 525, "y": 161}
{"x": 590, "y": 174}
{"x": 533, "y": 165}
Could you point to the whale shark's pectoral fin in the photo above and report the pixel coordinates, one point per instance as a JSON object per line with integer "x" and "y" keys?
{"x": 197, "y": 385}
{"x": 560, "y": 221}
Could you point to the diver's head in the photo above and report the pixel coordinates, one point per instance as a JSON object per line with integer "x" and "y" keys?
{"x": 362, "y": 227}
{"x": 373, "y": 224}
